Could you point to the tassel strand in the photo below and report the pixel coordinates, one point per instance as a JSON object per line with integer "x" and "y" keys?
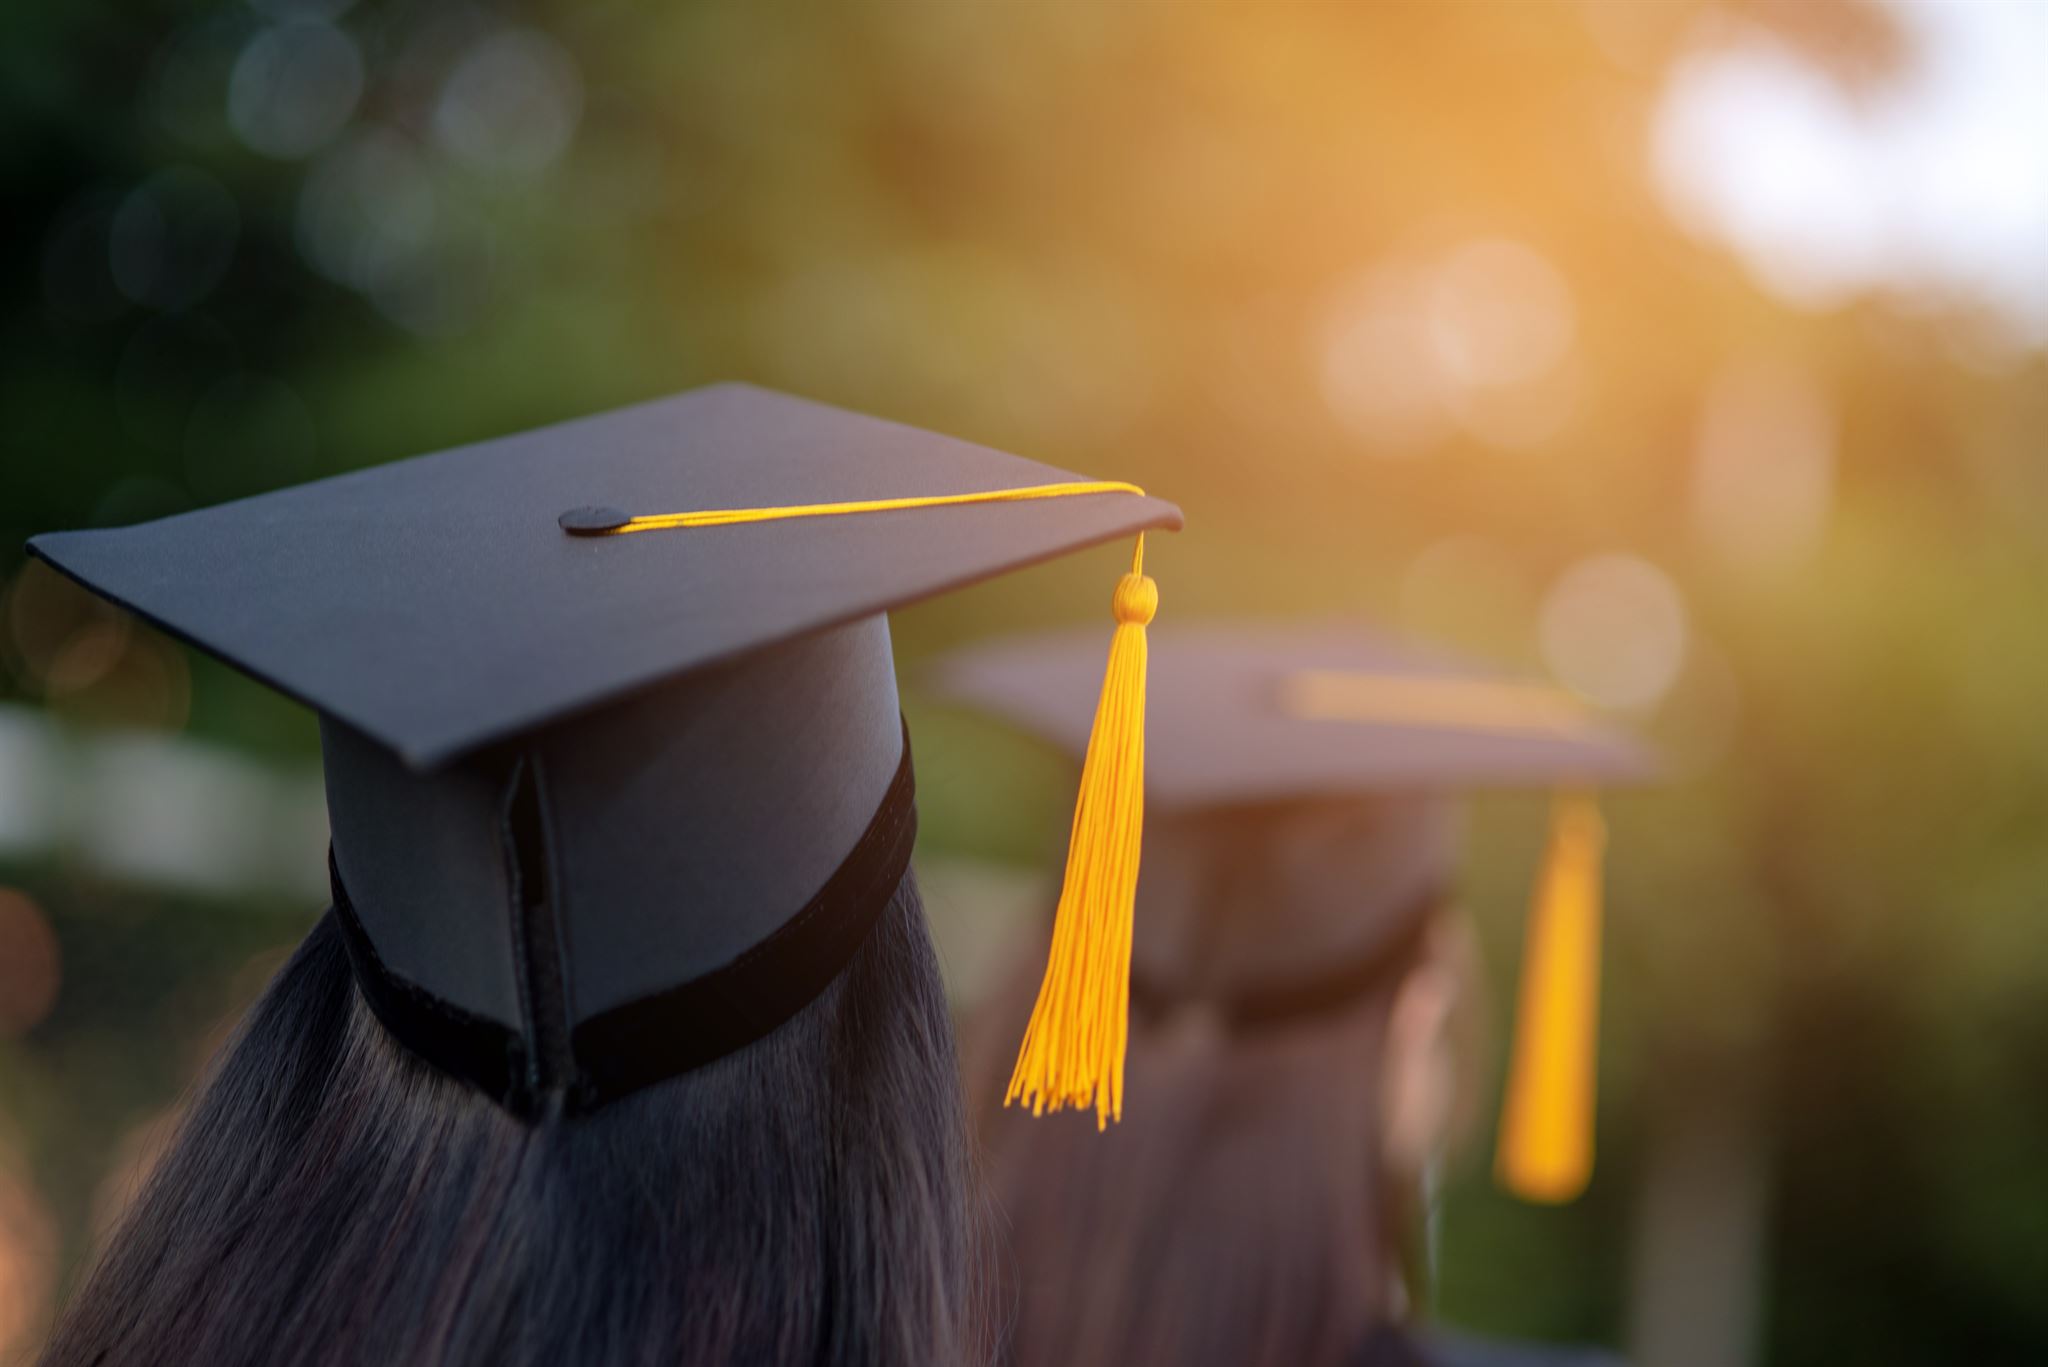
{"x": 1545, "y": 1149}
{"x": 1073, "y": 1049}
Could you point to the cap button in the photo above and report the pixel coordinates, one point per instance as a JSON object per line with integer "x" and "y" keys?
{"x": 592, "y": 521}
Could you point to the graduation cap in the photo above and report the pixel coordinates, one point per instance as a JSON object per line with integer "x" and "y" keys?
{"x": 1303, "y": 804}
{"x": 616, "y": 777}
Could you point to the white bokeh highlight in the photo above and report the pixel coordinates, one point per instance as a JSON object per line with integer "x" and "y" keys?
{"x": 1933, "y": 186}
{"x": 1763, "y": 476}
{"x": 1478, "y": 337}
{"x": 511, "y": 104}
{"x": 294, "y": 88}
{"x": 1613, "y": 629}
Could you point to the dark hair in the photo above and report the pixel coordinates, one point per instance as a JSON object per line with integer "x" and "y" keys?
{"x": 1238, "y": 1215}
{"x": 332, "y": 1200}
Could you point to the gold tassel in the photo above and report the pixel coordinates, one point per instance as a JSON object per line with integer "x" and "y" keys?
{"x": 1073, "y": 1050}
{"x": 1545, "y": 1148}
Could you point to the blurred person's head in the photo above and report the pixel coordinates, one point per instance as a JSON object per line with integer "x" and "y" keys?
{"x": 1300, "y": 1034}
{"x": 1292, "y": 1076}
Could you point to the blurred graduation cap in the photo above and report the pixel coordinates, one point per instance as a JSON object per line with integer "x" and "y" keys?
{"x": 1307, "y": 778}
{"x": 616, "y": 789}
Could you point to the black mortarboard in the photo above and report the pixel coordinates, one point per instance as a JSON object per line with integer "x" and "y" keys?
{"x": 607, "y": 806}
{"x": 1303, "y": 827}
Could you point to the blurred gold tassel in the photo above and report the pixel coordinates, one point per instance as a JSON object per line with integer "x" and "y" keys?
{"x": 1073, "y": 1050}
{"x": 1545, "y": 1148}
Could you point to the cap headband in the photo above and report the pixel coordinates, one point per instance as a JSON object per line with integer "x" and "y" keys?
{"x": 665, "y": 1033}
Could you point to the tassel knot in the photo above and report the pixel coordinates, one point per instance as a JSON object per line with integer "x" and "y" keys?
{"x": 1136, "y": 600}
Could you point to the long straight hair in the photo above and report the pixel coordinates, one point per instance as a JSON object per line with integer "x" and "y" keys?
{"x": 331, "y": 1200}
{"x": 1238, "y": 1216}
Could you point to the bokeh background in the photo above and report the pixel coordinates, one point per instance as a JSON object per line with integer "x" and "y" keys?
{"x": 1694, "y": 355}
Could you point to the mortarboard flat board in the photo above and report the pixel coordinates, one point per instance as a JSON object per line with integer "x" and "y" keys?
{"x": 607, "y": 806}
{"x": 435, "y": 604}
